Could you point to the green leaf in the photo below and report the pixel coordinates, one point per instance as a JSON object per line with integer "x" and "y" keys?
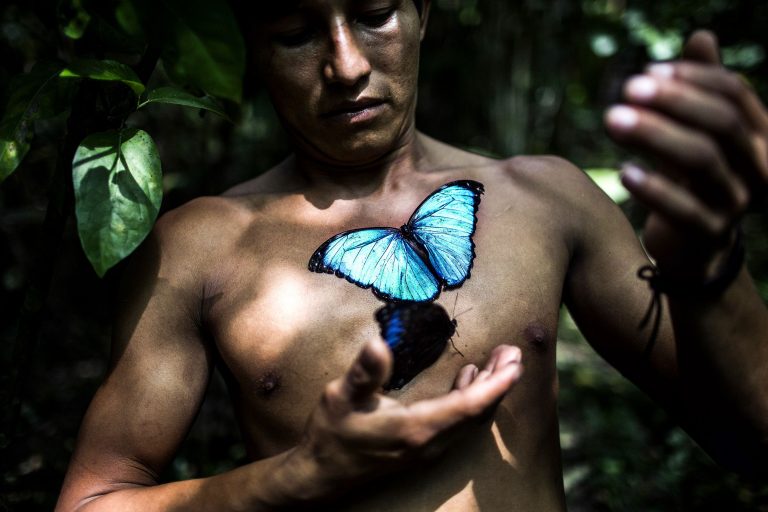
{"x": 108, "y": 70}
{"x": 73, "y": 18}
{"x": 118, "y": 190}
{"x": 609, "y": 181}
{"x": 200, "y": 41}
{"x": 35, "y": 95}
{"x": 175, "y": 96}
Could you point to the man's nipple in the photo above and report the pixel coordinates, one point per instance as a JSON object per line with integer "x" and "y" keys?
{"x": 538, "y": 336}
{"x": 267, "y": 384}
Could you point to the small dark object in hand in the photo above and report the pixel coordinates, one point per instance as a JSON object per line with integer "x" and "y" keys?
{"x": 417, "y": 333}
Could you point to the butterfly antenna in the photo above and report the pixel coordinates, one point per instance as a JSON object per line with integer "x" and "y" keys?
{"x": 455, "y": 326}
{"x": 454, "y": 346}
{"x": 465, "y": 311}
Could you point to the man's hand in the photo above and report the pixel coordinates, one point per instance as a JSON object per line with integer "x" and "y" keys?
{"x": 356, "y": 433}
{"x": 707, "y": 133}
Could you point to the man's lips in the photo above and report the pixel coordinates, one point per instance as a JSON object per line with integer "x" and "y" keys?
{"x": 351, "y": 109}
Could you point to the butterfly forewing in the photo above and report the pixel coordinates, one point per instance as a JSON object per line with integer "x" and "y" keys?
{"x": 378, "y": 258}
{"x": 404, "y": 275}
{"x": 444, "y": 224}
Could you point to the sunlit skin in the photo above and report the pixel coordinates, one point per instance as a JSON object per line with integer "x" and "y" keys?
{"x": 224, "y": 281}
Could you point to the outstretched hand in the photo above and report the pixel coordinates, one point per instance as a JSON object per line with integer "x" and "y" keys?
{"x": 356, "y": 433}
{"x": 707, "y": 133}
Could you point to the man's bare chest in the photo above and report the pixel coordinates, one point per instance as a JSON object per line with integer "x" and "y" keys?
{"x": 283, "y": 332}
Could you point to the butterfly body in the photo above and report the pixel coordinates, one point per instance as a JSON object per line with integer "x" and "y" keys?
{"x": 431, "y": 252}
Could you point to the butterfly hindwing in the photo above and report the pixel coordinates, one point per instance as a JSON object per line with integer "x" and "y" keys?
{"x": 379, "y": 258}
{"x": 444, "y": 224}
{"x": 417, "y": 334}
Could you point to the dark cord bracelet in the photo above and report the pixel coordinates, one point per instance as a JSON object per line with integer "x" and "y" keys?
{"x": 712, "y": 287}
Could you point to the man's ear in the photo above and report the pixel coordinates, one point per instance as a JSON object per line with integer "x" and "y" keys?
{"x": 424, "y": 18}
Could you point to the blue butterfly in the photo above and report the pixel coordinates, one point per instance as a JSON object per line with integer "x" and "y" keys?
{"x": 433, "y": 251}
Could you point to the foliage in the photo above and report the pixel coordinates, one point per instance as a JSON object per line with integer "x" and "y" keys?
{"x": 118, "y": 188}
{"x": 201, "y": 48}
{"x": 531, "y": 76}
{"x": 33, "y": 96}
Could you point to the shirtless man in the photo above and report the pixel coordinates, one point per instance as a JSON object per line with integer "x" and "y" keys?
{"x": 224, "y": 280}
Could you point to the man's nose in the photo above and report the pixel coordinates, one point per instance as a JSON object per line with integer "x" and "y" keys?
{"x": 347, "y": 62}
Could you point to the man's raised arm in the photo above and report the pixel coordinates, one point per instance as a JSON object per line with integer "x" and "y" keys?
{"x": 707, "y": 134}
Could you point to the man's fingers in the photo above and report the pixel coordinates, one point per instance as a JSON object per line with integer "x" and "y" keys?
{"x": 693, "y": 156}
{"x": 689, "y": 104}
{"x": 502, "y": 355}
{"x": 363, "y": 379}
{"x": 417, "y": 425}
{"x": 388, "y": 426}
{"x": 674, "y": 203}
{"x": 369, "y": 371}
{"x": 717, "y": 80}
{"x": 702, "y": 46}
{"x": 471, "y": 401}
{"x": 465, "y": 376}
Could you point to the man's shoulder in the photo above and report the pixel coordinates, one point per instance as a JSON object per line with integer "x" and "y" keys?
{"x": 549, "y": 187}
{"x": 548, "y": 178}
{"x": 207, "y": 216}
{"x": 547, "y": 170}
{"x": 196, "y": 233}
{"x": 522, "y": 169}
{"x": 207, "y": 227}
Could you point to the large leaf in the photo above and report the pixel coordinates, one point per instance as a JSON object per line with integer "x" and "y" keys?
{"x": 118, "y": 190}
{"x": 35, "y": 95}
{"x": 200, "y": 41}
{"x": 108, "y": 70}
{"x": 175, "y": 96}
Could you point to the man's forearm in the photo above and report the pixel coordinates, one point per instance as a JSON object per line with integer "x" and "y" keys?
{"x": 722, "y": 346}
{"x": 282, "y": 482}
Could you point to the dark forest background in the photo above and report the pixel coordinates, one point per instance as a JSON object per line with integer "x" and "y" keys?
{"x": 498, "y": 77}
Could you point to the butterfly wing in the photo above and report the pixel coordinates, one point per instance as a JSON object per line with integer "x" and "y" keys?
{"x": 417, "y": 334}
{"x": 444, "y": 224}
{"x": 378, "y": 258}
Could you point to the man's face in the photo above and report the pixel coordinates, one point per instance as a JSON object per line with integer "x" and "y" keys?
{"x": 342, "y": 75}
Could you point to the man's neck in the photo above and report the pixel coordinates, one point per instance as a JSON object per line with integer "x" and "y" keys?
{"x": 352, "y": 180}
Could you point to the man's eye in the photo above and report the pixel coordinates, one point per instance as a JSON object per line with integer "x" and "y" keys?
{"x": 375, "y": 18}
{"x": 294, "y": 38}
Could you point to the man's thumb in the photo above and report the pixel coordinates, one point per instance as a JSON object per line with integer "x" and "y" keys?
{"x": 702, "y": 46}
{"x": 368, "y": 373}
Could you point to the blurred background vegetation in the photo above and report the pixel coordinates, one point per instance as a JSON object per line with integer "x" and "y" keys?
{"x": 498, "y": 77}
